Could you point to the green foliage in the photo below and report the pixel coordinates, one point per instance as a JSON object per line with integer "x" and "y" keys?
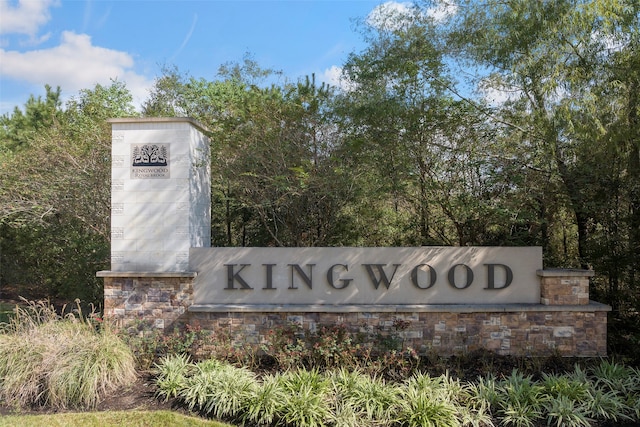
{"x": 522, "y": 400}
{"x": 55, "y": 193}
{"x": 228, "y": 389}
{"x": 370, "y": 399}
{"x": 307, "y": 400}
{"x": 18, "y": 129}
{"x": 353, "y": 397}
{"x": 171, "y": 375}
{"x": 287, "y": 346}
{"x": 562, "y": 411}
{"x": 334, "y": 347}
{"x": 145, "y": 342}
{"x": 264, "y": 406}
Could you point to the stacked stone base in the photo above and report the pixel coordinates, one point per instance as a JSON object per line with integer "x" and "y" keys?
{"x": 166, "y": 302}
{"x": 524, "y": 333}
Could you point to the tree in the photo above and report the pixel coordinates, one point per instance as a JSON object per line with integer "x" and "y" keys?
{"x": 424, "y": 150}
{"x": 55, "y": 196}
{"x": 18, "y": 128}
{"x": 276, "y": 180}
{"x": 571, "y": 67}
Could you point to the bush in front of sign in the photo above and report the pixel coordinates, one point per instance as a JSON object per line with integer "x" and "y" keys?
{"x": 333, "y": 346}
{"x": 287, "y": 346}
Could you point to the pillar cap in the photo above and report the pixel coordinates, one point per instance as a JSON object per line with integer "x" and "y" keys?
{"x": 106, "y": 273}
{"x": 565, "y": 272}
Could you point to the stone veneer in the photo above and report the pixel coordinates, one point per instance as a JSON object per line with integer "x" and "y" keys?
{"x": 565, "y": 322}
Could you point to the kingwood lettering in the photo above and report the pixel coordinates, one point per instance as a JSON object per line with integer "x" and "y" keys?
{"x": 423, "y": 276}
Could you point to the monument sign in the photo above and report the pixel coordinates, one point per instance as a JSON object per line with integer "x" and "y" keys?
{"x": 451, "y": 299}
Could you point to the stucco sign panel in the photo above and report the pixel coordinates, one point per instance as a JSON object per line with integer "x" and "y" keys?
{"x": 337, "y": 276}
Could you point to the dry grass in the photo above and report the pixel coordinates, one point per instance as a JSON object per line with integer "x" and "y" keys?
{"x": 62, "y": 361}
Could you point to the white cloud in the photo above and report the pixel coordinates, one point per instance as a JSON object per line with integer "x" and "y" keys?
{"x": 497, "y": 92}
{"x": 335, "y": 77}
{"x": 26, "y": 17}
{"x": 442, "y": 10}
{"x": 73, "y": 65}
{"x": 332, "y": 75}
{"x": 392, "y": 16}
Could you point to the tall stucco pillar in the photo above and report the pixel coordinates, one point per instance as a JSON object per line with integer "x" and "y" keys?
{"x": 160, "y": 193}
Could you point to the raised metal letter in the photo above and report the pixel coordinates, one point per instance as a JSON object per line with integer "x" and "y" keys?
{"x": 452, "y": 276}
{"x": 414, "y": 276}
{"x": 269, "y": 276}
{"x": 345, "y": 282}
{"x": 308, "y": 280}
{"x": 381, "y": 276}
{"x": 235, "y": 276}
{"x": 491, "y": 278}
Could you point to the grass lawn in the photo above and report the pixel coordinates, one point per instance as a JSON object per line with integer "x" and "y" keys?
{"x": 111, "y": 418}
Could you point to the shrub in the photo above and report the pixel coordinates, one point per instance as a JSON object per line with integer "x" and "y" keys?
{"x": 287, "y": 346}
{"x": 61, "y": 361}
{"x": 562, "y": 411}
{"x": 369, "y": 398}
{"x": 265, "y": 405}
{"x": 352, "y": 397}
{"x": 307, "y": 398}
{"x": 616, "y": 393}
{"x": 144, "y": 340}
{"x": 333, "y": 346}
{"x": 218, "y": 389}
{"x": 521, "y": 400}
{"x": 171, "y": 375}
{"x": 427, "y": 401}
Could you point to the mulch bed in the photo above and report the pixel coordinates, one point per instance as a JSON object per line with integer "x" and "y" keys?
{"x": 137, "y": 396}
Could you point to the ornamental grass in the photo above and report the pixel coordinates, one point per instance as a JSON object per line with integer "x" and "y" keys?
{"x": 351, "y": 397}
{"x": 60, "y": 361}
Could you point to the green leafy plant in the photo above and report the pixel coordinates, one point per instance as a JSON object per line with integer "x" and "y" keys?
{"x": 183, "y": 341}
{"x": 333, "y": 346}
{"x": 521, "y": 400}
{"x": 144, "y": 340}
{"x": 218, "y": 389}
{"x": 605, "y": 405}
{"x": 307, "y": 398}
{"x": 617, "y": 391}
{"x": 562, "y": 411}
{"x": 373, "y": 400}
{"x": 287, "y": 346}
{"x": 563, "y": 385}
{"x": 264, "y": 406}
{"x": 426, "y": 402}
{"x": 171, "y": 375}
{"x": 222, "y": 345}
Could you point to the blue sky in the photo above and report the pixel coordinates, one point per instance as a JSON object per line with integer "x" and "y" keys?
{"x": 75, "y": 44}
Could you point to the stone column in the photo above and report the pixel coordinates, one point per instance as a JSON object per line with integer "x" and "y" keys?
{"x": 564, "y": 286}
{"x": 160, "y": 208}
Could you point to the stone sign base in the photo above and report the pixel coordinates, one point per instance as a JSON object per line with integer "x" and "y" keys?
{"x": 565, "y": 322}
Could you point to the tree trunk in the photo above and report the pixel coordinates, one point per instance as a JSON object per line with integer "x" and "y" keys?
{"x": 634, "y": 183}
